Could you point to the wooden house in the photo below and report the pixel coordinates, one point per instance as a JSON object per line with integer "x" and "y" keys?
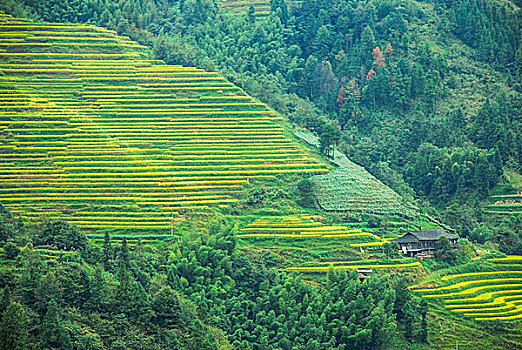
{"x": 423, "y": 243}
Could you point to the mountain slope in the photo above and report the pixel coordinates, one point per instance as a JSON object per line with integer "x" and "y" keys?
{"x": 96, "y": 133}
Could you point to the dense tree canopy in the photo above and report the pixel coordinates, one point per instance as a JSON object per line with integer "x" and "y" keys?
{"x": 62, "y": 235}
{"x": 197, "y": 293}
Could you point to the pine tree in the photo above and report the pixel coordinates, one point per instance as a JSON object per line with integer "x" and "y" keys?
{"x": 47, "y": 289}
{"x": 433, "y": 89}
{"x": 367, "y": 45}
{"x": 54, "y": 335}
{"x": 131, "y": 297}
{"x": 423, "y": 333}
{"x": 13, "y": 328}
{"x": 325, "y": 78}
{"x": 124, "y": 253}
{"x": 167, "y": 307}
{"x": 252, "y": 14}
{"x": 408, "y": 320}
{"x": 108, "y": 252}
{"x": 330, "y": 135}
{"x": 279, "y": 7}
{"x": 5, "y": 298}
{"x": 310, "y": 83}
{"x": 99, "y": 290}
{"x": 321, "y": 46}
{"x": 173, "y": 280}
{"x": 401, "y": 90}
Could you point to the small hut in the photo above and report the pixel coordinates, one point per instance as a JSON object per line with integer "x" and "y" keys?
{"x": 364, "y": 273}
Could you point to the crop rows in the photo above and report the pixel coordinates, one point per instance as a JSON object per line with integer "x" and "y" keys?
{"x": 94, "y": 132}
{"x": 261, "y": 7}
{"x": 304, "y": 227}
{"x": 355, "y": 190}
{"x": 483, "y": 295}
{"x": 509, "y": 204}
{"x": 321, "y": 267}
{"x": 374, "y": 265}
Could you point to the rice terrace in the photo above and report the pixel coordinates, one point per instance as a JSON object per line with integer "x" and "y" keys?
{"x": 266, "y": 175}
{"x": 92, "y": 133}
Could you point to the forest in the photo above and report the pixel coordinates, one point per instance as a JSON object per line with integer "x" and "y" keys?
{"x": 198, "y": 293}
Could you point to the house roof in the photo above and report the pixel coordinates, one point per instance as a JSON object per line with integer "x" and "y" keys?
{"x": 407, "y": 238}
{"x": 428, "y": 235}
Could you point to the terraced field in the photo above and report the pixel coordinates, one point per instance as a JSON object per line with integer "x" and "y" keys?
{"x": 94, "y": 132}
{"x": 361, "y": 264}
{"x": 262, "y": 7}
{"x": 483, "y": 295}
{"x": 304, "y": 227}
{"x": 508, "y": 204}
{"x": 305, "y": 244}
{"x": 351, "y": 188}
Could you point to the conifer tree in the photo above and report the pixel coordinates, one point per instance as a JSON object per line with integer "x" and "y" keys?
{"x": 423, "y": 333}
{"x": 5, "y": 298}
{"x": 167, "y": 307}
{"x": 99, "y": 290}
{"x": 108, "y": 252}
{"x": 54, "y": 335}
{"x": 13, "y": 328}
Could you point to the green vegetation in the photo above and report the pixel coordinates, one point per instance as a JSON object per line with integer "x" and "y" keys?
{"x": 343, "y": 190}
{"x": 257, "y": 8}
{"x": 98, "y": 141}
{"x": 146, "y": 141}
{"x": 483, "y": 295}
{"x": 200, "y": 292}
{"x": 147, "y": 201}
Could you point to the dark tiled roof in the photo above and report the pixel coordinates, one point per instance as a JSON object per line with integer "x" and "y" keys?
{"x": 429, "y": 235}
{"x": 407, "y": 238}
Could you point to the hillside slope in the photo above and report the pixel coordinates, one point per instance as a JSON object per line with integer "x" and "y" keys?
{"x": 91, "y": 126}
{"x": 98, "y": 134}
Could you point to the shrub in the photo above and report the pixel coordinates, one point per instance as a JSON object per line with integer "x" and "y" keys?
{"x": 11, "y": 251}
{"x": 62, "y": 235}
{"x": 307, "y": 197}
